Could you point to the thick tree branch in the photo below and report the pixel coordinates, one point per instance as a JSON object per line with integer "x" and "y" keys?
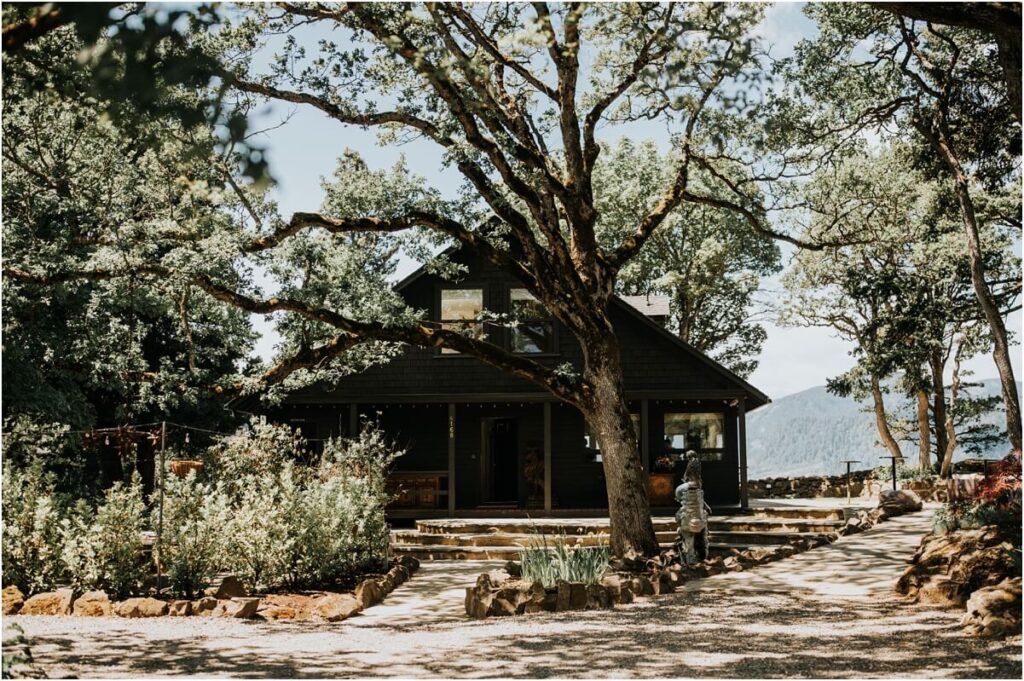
{"x": 19, "y": 33}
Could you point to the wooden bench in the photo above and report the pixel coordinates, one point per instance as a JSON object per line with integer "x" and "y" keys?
{"x": 417, "y": 489}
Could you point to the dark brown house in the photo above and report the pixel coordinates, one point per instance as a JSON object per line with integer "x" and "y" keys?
{"x": 481, "y": 442}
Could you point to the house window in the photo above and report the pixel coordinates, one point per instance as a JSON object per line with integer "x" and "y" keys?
{"x": 703, "y": 433}
{"x": 534, "y": 333}
{"x": 594, "y": 447}
{"x": 461, "y": 309}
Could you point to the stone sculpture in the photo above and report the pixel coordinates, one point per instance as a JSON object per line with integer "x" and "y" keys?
{"x": 692, "y": 516}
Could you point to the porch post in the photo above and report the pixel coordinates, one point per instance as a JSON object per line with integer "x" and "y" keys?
{"x": 451, "y": 458}
{"x": 547, "y": 457}
{"x": 645, "y": 446}
{"x": 742, "y": 436}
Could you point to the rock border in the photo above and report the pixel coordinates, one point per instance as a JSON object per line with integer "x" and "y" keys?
{"x": 227, "y": 600}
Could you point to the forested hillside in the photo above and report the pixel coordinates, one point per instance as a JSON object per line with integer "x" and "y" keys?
{"x": 811, "y": 432}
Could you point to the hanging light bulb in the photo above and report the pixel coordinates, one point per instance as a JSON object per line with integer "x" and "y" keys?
{"x": 106, "y": 440}
{"x": 187, "y": 437}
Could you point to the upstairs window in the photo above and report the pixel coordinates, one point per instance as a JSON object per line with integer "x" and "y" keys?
{"x": 535, "y": 333}
{"x": 461, "y": 309}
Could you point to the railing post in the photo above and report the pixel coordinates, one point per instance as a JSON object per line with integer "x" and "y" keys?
{"x": 451, "y": 459}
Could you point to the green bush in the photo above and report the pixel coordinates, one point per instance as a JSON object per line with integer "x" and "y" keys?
{"x": 32, "y": 538}
{"x": 261, "y": 451}
{"x": 549, "y": 563}
{"x": 903, "y": 472}
{"x": 103, "y": 549}
{"x": 258, "y": 539}
{"x": 196, "y": 517}
{"x": 967, "y": 515}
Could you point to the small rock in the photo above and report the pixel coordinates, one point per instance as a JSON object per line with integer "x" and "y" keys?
{"x": 204, "y": 607}
{"x": 337, "y": 607}
{"x": 598, "y": 597}
{"x": 179, "y": 608}
{"x": 287, "y": 606}
{"x": 732, "y": 564}
{"x": 13, "y": 600}
{"x": 563, "y": 598}
{"x": 229, "y": 587}
{"x": 409, "y": 562}
{"x": 386, "y": 583}
{"x": 401, "y": 574}
{"x": 278, "y": 612}
{"x": 140, "y": 607}
{"x": 577, "y": 596}
{"x": 93, "y": 604}
{"x": 994, "y": 611}
{"x": 369, "y": 593}
{"x": 894, "y": 502}
{"x": 49, "y": 603}
{"x": 513, "y": 568}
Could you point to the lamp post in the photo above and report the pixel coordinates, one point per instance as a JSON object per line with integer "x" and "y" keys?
{"x": 893, "y": 459}
{"x": 848, "y": 463}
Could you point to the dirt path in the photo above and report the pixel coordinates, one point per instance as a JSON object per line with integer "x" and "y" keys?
{"x": 785, "y": 627}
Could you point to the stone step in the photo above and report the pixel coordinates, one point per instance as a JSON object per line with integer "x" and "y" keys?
{"x": 414, "y": 537}
{"x": 761, "y": 538}
{"x": 546, "y": 526}
{"x": 830, "y": 513}
{"x": 445, "y": 552}
{"x": 767, "y": 524}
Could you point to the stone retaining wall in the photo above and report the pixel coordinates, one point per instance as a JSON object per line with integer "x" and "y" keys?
{"x": 862, "y": 485}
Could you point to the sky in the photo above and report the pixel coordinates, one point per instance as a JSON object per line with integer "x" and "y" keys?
{"x": 305, "y": 149}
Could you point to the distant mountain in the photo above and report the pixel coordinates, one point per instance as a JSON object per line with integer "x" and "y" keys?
{"x": 810, "y": 432}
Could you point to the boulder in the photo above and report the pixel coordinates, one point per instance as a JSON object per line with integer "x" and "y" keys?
{"x": 387, "y": 583}
{"x": 369, "y": 593}
{"x": 49, "y": 603}
{"x": 563, "y": 597}
{"x": 733, "y": 564}
{"x": 337, "y": 607}
{"x": 994, "y": 611}
{"x": 478, "y": 597}
{"x": 179, "y": 608}
{"x": 229, "y": 587}
{"x": 204, "y": 607}
{"x": 287, "y": 606}
{"x": 244, "y": 608}
{"x": 598, "y": 597}
{"x": 13, "y": 600}
{"x": 401, "y": 574}
{"x": 513, "y": 568}
{"x": 947, "y": 568}
{"x": 577, "y": 596}
{"x": 93, "y": 604}
{"x": 409, "y": 562}
{"x": 140, "y": 607}
{"x": 894, "y": 502}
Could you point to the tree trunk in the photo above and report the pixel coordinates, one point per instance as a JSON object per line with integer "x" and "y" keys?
{"x": 987, "y": 302}
{"x": 607, "y": 413}
{"x": 880, "y": 420}
{"x": 939, "y": 404}
{"x": 924, "y": 447}
{"x": 947, "y": 454}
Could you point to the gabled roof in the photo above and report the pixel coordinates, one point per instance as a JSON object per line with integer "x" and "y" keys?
{"x": 652, "y": 306}
{"x": 624, "y": 303}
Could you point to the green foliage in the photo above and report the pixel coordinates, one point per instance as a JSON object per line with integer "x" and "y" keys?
{"x": 559, "y": 560}
{"x": 903, "y": 472}
{"x": 196, "y": 516}
{"x": 103, "y": 549}
{"x": 258, "y": 538}
{"x": 262, "y": 450}
{"x": 32, "y": 538}
{"x": 709, "y": 262}
{"x": 967, "y": 515}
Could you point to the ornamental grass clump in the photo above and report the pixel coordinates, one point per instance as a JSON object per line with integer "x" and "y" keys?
{"x": 561, "y": 561}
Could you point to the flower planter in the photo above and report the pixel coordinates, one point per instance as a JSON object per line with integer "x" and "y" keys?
{"x": 181, "y": 467}
{"x": 661, "y": 488}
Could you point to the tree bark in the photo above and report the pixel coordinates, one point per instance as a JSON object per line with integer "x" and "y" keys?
{"x": 607, "y": 413}
{"x": 924, "y": 447}
{"x": 939, "y": 403}
{"x": 882, "y": 422}
{"x": 950, "y": 430}
{"x": 987, "y": 302}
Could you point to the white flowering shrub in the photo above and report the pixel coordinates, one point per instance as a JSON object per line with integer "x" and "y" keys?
{"x": 258, "y": 539}
{"x": 103, "y": 549}
{"x": 32, "y": 537}
{"x": 260, "y": 451}
{"x": 196, "y": 517}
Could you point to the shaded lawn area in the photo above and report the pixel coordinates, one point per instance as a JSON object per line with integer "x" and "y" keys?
{"x": 707, "y": 633}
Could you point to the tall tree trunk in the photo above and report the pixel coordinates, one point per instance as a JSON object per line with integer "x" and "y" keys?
{"x": 954, "y": 390}
{"x": 987, "y": 302}
{"x": 937, "y": 365}
{"x": 924, "y": 447}
{"x": 881, "y": 421}
{"x": 606, "y": 411}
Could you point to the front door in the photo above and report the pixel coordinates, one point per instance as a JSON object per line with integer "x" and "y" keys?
{"x": 504, "y": 460}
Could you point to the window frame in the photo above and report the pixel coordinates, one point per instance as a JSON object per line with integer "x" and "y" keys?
{"x": 550, "y": 320}
{"x": 706, "y": 454}
{"x": 439, "y": 301}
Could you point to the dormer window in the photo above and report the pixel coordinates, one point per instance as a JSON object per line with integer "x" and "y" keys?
{"x": 535, "y": 332}
{"x": 461, "y": 309}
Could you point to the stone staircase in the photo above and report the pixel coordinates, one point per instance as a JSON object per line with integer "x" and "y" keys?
{"x": 502, "y": 538}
